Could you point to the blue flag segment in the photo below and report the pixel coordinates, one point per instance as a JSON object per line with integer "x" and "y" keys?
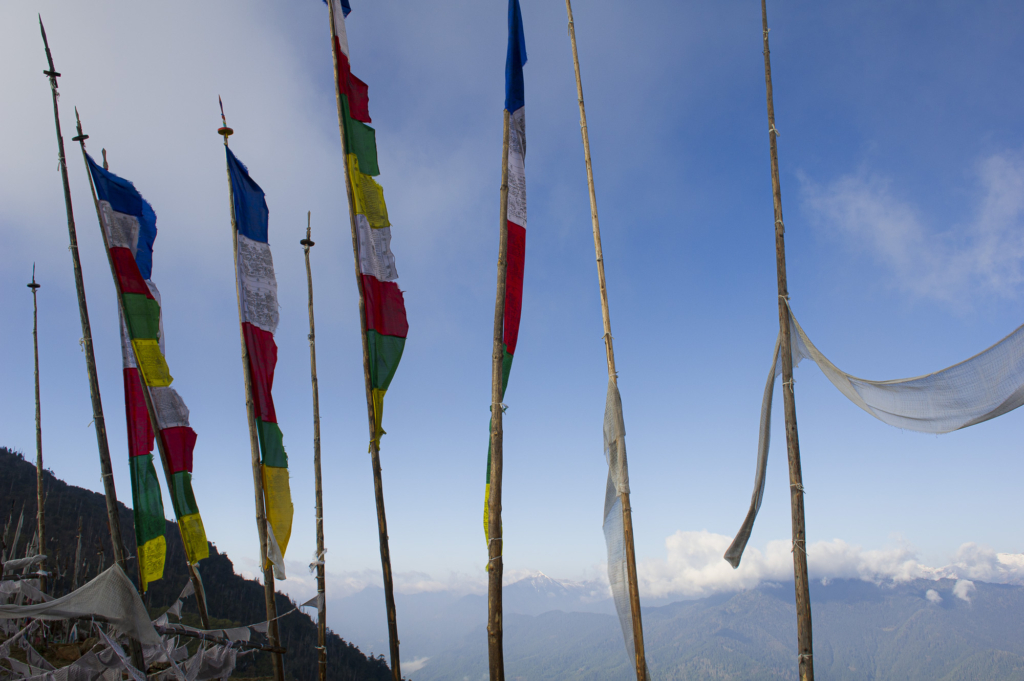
{"x": 515, "y": 96}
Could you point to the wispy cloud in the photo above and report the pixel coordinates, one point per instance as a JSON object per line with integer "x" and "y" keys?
{"x": 933, "y": 261}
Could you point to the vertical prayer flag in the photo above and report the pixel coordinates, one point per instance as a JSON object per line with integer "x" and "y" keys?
{"x": 130, "y": 227}
{"x": 257, "y": 288}
{"x": 515, "y": 254}
{"x": 386, "y": 325}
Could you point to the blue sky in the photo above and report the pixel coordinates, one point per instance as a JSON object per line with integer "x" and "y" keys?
{"x": 902, "y": 164}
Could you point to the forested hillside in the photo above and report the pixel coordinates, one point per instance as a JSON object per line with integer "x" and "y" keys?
{"x": 232, "y": 599}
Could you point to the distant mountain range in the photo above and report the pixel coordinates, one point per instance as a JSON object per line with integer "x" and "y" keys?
{"x": 913, "y": 631}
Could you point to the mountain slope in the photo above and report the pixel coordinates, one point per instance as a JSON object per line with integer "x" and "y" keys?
{"x": 229, "y": 596}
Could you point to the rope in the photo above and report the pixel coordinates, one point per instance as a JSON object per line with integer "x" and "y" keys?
{"x": 799, "y": 544}
{"x": 798, "y": 487}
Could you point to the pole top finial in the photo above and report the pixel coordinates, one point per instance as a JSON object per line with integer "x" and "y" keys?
{"x": 33, "y": 285}
{"x": 80, "y": 137}
{"x": 224, "y": 131}
{"x": 308, "y": 243}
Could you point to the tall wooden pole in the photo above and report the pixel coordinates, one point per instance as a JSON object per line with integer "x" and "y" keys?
{"x": 378, "y": 484}
{"x": 796, "y": 488}
{"x": 495, "y": 567}
{"x": 321, "y": 577}
{"x": 640, "y": 661}
{"x": 40, "y": 498}
{"x": 99, "y": 424}
{"x": 147, "y": 395}
{"x": 254, "y": 443}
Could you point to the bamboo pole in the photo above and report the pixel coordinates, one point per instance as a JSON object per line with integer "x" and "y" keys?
{"x": 378, "y": 484}
{"x": 640, "y": 656}
{"x": 321, "y": 577}
{"x": 40, "y": 498}
{"x": 106, "y": 470}
{"x": 78, "y": 557}
{"x": 796, "y": 489}
{"x": 147, "y": 395}
{"x": 99, "y": 423}
{"x": 254, "y": 441}
{"x": 495, "y": 566}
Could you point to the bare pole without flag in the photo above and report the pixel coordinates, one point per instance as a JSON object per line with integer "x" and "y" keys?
{"x": 98, "y": 422}
{"x": 321, "y": 577}
{"x": 147, "y": 395}
{"x": 254, "y": 439}
{"x": 796, "y": 488}
{"x": 90, "y": 359}
{"x": 378, "y": 483}
{"x": 640, "y": 661}
{"x": 40, "y": 498}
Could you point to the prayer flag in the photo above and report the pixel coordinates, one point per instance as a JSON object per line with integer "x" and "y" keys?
{"x": 257, "y": 286}
{"x": 386, "y": 325}
{"x": 515, "y": 254}
{"x": 130, "y": 227}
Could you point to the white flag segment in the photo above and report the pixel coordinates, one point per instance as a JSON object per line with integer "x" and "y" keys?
{"x": 170, "y": 408}
{"x": 339, "y": 26}
{"x": 127, "y": 353}
{"x": 517, "y": 167}
{"x": 257, "y": 284}
{"x": 122, "y": 230}
{"x": 375, "y": 256}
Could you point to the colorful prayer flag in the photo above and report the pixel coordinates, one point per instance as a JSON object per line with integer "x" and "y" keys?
{"x": 130, "y": 227}
{"x": 257, "y": 287}
{"x": 515, "y": 254}
{"x": 386, "y": 325}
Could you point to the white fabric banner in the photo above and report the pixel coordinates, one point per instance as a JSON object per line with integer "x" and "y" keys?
{"x": 110, "y": 595}
{"x": 375, "y": 256}
{"x": 257, "y": 283}
{"x": 517, "y": 167}
{"x": 983, "y": 387}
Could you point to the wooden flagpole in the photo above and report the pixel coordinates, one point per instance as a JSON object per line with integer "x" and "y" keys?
{"x": 40, "y": 498}
{"x": 640, "y": 661}
{"x": 106, "y": 470}
{"x": 321, "y": 578}
{"x": 147, "y": 395}
{"x": 495, "y": 566}
{"x": 254, "y": 440}
{"x": 796, "y": 488}
{"x": 378, "y": 484}
{"x": 90, "y": 359}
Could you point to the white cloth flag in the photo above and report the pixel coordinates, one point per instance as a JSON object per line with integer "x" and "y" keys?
{"x": 983, "y": 387}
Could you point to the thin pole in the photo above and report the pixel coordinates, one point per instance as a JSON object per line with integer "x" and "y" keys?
{"x": 40, "y": 499}
{"x": 378, "y": 484}
{"x": 640, "y": 661}
{"x": 99, "y": 423}
{"x": 495, "y": 566}
{"x": 106, "y": 470}
{"x": 321, "y": 577}
{"x": 78, "y": 557}
{"x": 147, "y": 395}
{"x": 796, "y": 488}
{"x": 254, "y": 442}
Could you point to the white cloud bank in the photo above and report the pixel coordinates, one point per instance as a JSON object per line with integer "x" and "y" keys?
{"x": 694, "y": 567}
{"x": 986, "y": 253}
